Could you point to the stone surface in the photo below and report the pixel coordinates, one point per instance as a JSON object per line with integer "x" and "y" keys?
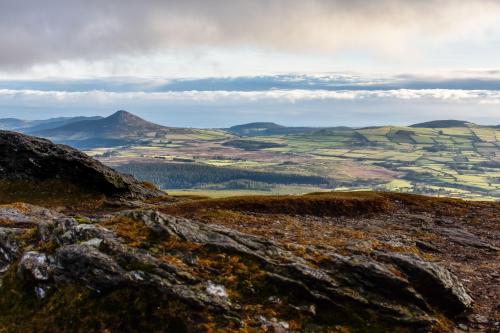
{"x": 33, "y": 265}
{"x": 385, "y": 286}
{"x": 93, "y": 256}
{"x": 466, "y": 238}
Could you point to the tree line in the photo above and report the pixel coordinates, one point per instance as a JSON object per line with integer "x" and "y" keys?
{"x": 192, "y": 175}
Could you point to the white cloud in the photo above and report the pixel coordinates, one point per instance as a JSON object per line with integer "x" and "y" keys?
{"x": 288, "y": 96}
{"x": 289, "y": 107}
{"x": 34, "y": 32}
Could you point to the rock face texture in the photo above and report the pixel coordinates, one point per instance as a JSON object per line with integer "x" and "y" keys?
{"x": 237, "y": 280}
{"x": 26, "y": 158}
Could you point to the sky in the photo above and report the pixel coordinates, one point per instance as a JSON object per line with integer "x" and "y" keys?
{"x": 217, "y": 63}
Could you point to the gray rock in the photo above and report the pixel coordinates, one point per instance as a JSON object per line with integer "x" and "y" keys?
{"x": 9, "y": 246}
{"x": 355, "y": 279}
{"x": 90, "y": 267}
{"x": 94, "y": 257}
{"x": 33, "y": 265}
{"x": 95, "y": 242}
{"x": 68, "y": 231}
{"x": 437, "y": 285}
{"x": 427, "y": 247}
{"x": 466, "y": 238}
{"x": 41, "y": 291}
{"x": 480, "y": 319}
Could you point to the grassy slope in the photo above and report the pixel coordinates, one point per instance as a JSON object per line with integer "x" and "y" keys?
{"x": 324, "y": 204}
{"x": 319, "y": 204}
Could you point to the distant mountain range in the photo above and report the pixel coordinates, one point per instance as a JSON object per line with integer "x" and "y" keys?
{"x": 13, "y": 124}
{"x": 122, "y": 128}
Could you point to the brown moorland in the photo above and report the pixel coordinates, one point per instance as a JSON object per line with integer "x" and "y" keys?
{"x": 458, "y": 235}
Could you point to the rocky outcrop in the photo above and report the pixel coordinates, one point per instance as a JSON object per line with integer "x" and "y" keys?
{"x": 236, "y": 278}
{"x": 30, "y": 159}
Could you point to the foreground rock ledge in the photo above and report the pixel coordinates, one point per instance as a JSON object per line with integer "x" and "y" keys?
{"x": 219, "y": 277}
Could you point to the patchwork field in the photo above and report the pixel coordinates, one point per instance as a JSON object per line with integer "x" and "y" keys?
{"x": 458, "y": 162}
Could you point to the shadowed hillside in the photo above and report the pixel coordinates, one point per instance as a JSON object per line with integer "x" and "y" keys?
{"x": 36, "y": 169}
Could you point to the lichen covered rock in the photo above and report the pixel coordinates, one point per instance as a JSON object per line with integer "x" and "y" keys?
{"x": 236, "y": 279}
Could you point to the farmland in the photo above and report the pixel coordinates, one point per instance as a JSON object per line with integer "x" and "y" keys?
{"x": 459, "y": 162}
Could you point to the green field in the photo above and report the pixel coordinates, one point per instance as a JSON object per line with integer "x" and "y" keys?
{"x": 459, "y": 162}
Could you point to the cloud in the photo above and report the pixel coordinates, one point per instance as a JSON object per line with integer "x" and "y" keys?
{"x": 34, "y": 32}
{"x": 287, "y": 96}
{"x": 453, "y": 81}
{"x": 289, "y": 107}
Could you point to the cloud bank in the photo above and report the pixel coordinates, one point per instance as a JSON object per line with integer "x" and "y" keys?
{"x": 290, "y": 107}
{"x": 288, "y": 96}
{"x": 461, "y": 80}
{"x": 34, "y": 32}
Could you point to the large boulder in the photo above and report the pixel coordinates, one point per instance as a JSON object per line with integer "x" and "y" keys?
{"x": 30, "y": 159}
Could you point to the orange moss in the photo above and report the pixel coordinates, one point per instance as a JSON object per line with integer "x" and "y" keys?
{"x": 180, "y": 245}
{"x": 172, "y": 260}
{"x": 5, "y": 222}
{"x": 134, "y": 232}
{"x": 19, "y": 206}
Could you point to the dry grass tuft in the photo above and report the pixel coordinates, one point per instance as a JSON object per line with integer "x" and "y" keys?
{"x": 134, "y": 232}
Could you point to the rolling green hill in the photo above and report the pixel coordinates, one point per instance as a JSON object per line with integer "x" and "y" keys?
{"x": 444, "y": 161}
{"x": 443, "y": 124}
{"x": 263, "y": 128}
